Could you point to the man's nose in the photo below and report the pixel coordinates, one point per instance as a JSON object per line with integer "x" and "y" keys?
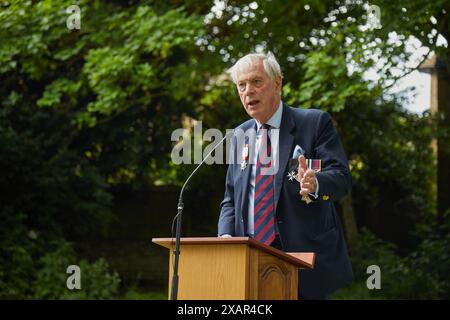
{"x": 249, "y": 89}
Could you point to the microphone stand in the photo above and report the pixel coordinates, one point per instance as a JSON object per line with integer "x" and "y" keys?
{"x": 176, "y": 252}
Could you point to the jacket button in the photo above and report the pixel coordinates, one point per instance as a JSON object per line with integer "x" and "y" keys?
{"x": 280, "y": 221}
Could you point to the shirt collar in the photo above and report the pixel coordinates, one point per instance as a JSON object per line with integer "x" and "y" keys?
{"x": 275, "y": 120}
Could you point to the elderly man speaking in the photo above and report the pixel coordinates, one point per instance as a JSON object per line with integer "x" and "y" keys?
{"x": 290, "y": 208}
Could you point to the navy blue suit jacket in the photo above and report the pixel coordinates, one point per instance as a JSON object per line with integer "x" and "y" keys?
{"x": 313, "y": 227}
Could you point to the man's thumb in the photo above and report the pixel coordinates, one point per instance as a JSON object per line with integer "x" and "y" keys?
{"x": 302, "y": 162}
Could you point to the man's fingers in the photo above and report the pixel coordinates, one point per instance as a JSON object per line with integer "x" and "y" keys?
{"x": 308, "y": 178}
{"x": 310, "y": 173}
{"x": 304, "y": 191}
{"x": 308, "y": 185}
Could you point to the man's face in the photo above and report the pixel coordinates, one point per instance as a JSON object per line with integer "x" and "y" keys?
{"x": 259, "y": 94}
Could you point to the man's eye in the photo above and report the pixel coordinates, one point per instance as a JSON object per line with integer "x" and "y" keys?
{"x": 241, "y": 86}
{"x": 258, "y": 82}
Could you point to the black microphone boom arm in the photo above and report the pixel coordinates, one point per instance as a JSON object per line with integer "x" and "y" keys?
{"x": 176, "y": 252}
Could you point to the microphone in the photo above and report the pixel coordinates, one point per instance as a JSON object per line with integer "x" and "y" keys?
{"x": 176, "y": 253}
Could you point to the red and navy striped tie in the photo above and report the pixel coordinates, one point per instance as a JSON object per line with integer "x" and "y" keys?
{"x": 264, "y": 220}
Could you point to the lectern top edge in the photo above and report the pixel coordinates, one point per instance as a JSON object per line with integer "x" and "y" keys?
{"x": 301, "y": 260}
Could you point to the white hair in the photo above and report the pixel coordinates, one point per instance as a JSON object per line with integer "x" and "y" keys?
{"x": 271, "y": 65}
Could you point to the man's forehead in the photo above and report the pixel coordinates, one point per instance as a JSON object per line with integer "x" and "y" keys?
{"x": 253, "y": 70}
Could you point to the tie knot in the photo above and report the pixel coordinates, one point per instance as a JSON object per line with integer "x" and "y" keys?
{"x": 265, "y": 126}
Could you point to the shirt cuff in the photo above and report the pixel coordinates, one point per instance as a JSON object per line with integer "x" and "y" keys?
{"x": 225, "y": 235}
{"x": 316, "y": 194}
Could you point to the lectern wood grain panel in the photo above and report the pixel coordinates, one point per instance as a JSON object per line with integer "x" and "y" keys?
{"x": 236, "y": 268}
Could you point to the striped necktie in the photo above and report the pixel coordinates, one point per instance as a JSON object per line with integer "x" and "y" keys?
{"x": 264, "y": 228}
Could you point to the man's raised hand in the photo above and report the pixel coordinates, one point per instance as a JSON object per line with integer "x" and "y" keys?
{"x": 306, "y": 176}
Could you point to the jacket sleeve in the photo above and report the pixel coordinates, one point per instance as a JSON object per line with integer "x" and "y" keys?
{"x": 227, "y": 212}
{"x": 334, "y": 178}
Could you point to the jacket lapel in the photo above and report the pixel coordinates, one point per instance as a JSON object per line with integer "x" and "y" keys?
{"x": 246, "y": 177}
{"x": 286, "y": 139}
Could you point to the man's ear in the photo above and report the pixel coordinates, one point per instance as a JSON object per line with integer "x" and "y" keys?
{"x": 278, "y": 82}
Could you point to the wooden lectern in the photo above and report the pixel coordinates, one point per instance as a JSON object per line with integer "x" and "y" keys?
{"x": 234, "y": 269}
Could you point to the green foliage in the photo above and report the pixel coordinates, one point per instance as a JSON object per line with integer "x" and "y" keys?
{"x": 422, "y": 274}
{"x": 397, "y": 278}
{"x": 430, "y": 260}
{"x": 96, "y": 280}
{"x": 84, "y": 110}
{"x": 81, "y": 111}
{"x": 390, "y": 155}
{"x": 136, "y": 294}
{"x": 16, "y": 261}
{"x": 55, "y": 90}
{"x": 27, "y": 271}
{"x": 326, "y": 85}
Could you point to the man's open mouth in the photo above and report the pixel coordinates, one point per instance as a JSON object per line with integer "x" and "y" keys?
{"x": 252, "y": 103}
